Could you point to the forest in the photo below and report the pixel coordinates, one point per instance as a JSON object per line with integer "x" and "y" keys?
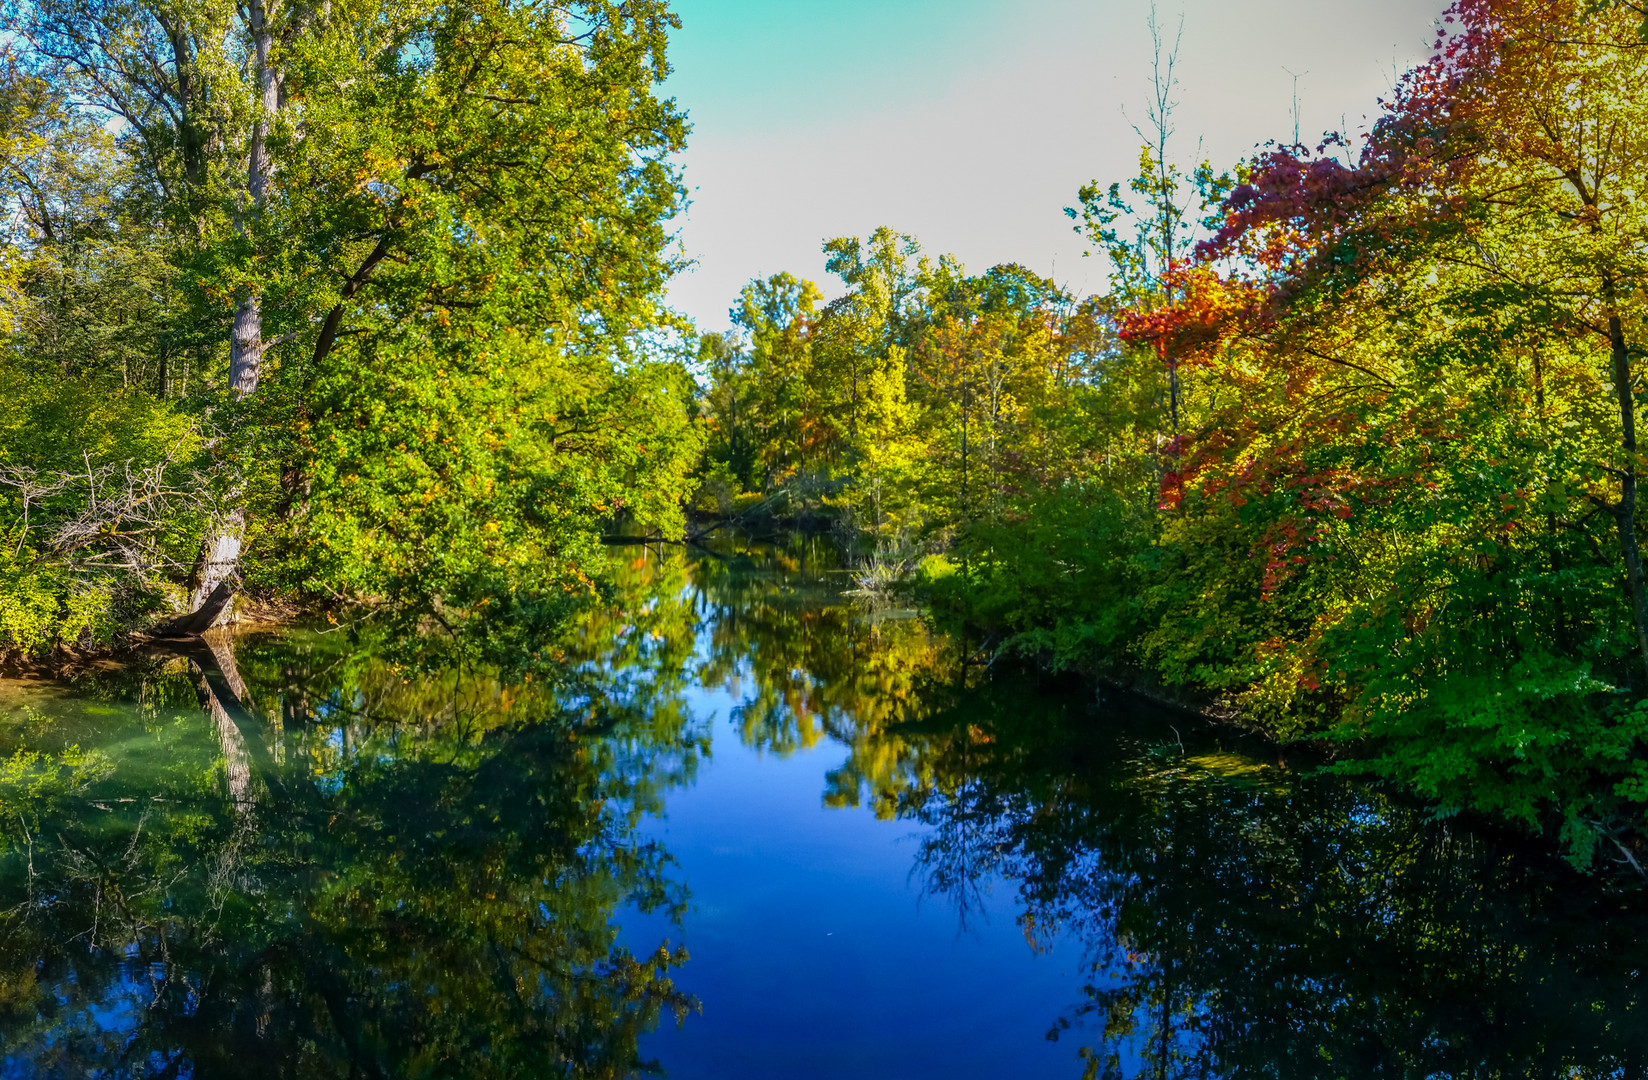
{"x": 359, "y": 312}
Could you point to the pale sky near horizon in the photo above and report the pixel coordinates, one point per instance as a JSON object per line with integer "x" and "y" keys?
{"x": 971, "y": 123}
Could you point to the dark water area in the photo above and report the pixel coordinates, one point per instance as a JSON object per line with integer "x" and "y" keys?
{"x": 751, "y": 829}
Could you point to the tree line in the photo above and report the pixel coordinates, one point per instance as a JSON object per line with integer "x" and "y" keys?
{"x": 1347, "y": 447}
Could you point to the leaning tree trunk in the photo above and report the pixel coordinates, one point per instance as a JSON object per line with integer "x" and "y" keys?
{"x": 217, "y": 576}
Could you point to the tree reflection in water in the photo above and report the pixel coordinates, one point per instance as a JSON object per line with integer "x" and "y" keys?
{"x": 340, "y": 869}
{"x": 344, "y": 873}
{"x": 1243, "y": 918}
{"x": 1239, "y": 915}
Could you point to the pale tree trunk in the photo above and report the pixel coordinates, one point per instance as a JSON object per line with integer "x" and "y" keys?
{"x": 246, "y": 339}
{"x": 218, "y": 578}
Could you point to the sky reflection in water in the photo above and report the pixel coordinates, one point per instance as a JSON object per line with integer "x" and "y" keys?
{"x": 294, "y": 860}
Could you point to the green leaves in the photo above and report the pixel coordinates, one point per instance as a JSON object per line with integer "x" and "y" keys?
{"x": 472, "y": 485}
{"x": 453, "y": 268}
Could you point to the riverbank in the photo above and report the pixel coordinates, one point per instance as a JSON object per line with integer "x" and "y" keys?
{"x": 1528, "y": 802}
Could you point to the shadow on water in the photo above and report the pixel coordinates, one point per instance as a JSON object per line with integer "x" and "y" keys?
{"x": 282, "y": 856}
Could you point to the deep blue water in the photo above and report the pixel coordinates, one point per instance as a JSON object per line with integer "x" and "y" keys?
{"x": 818, "y": 953}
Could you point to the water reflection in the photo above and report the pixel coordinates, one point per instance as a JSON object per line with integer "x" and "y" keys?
{"x": 338, "y": 873}
{"x": 291, "y": 858}
{"x": 1241, "y": 919}
{"x": 1238, "y": 915}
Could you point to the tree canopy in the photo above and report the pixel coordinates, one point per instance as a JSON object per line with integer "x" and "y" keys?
{"x": 383, "y": 287}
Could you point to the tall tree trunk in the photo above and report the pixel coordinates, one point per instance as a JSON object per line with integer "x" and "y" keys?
{"x": 246, "y": 346}
{"x": 218, "y": 579}
{"x": 246, "y": 338}
{"x": 1625, "y": 511}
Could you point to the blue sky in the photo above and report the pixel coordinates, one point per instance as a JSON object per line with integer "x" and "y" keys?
{"x": 971, "y": 123}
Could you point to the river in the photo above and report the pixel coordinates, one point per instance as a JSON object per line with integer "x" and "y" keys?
{"x": 745, "y": 826}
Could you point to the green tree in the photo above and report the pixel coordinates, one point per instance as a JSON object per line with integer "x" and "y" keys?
{"x": 786, "y": 410}
{"x": 407, "y": 253}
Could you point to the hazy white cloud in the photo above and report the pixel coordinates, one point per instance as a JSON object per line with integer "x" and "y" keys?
{"x": 974, "y": 139}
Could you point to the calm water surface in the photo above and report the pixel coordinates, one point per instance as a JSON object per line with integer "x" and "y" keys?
{"x": 750, "y": 830}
